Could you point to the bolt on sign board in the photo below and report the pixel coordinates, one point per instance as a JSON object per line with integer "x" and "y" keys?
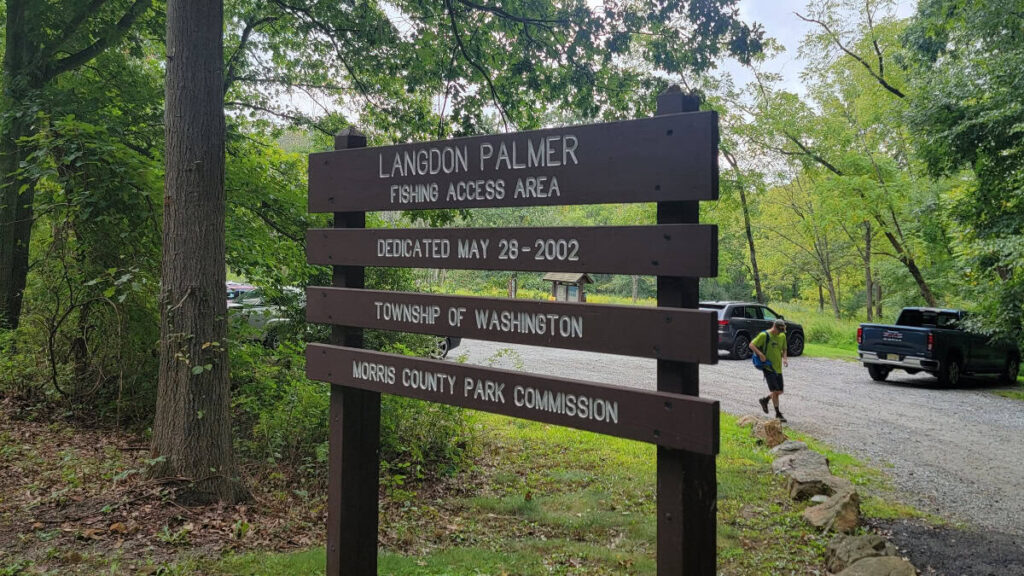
{"x": 670, "y": 159}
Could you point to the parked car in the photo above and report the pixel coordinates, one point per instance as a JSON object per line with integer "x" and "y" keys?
{"x": 266, "y": 318}
{"x": 741, "y": 322}
{"x": 933, "y": 340}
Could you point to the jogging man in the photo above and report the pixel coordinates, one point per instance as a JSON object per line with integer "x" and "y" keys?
{"x": 770, "y": 345}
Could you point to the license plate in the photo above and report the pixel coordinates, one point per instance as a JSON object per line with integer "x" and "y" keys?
{"x": 892, "y": 357}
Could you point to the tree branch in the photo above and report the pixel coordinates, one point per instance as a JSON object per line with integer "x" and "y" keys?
{"x": 107, "y": 38}
{"x": 250, "y": 27}
{"x": 545, "y": 23}
{"x": 835, "y": 38}
{"x": 301, "y": 120}
{"x": 474, "y": 64}
{"x": 73, "y": 24}
{"x": 807, "y": 152}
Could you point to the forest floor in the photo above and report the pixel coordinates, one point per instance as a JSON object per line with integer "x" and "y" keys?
{"x": 539, "y": 500}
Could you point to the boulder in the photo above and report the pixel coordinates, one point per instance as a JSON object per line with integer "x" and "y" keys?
{"x": 843, "y": 551}
{"x": 880, "y": 566}
{"x": 807, "y": 482}
{"x": 770, "y": 432}
{"x": 841, "y": 512}
{"x": 744, "y": 421}
{"x": 799, "y": 460}
{"x": 788, "y": 447}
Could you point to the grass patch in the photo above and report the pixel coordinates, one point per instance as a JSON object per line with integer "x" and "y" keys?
{"x": 1015, "y": 392}
{"x": 552, "y": 500}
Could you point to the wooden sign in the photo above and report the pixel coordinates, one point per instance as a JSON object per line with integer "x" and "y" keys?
{"x": 674, "y": 420}
{"x": 673, "y": 250}
{"x": 670, "y": 333}
{"x": 666, "y": 158}
{"x": 671, "y": 159}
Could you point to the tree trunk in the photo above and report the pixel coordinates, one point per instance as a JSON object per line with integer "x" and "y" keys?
{"x": 821, "y": 298}
{"x": 746, "y": 224}
{"x": 750, "y": 244}
{"x": 513, "y": 285}
{"x": 20, "y": 78}
{"x": 192, "y": 430}
{"x": 868, "y": 288}
{"x": 636, "y": 287}
{"x": 831, "y": 287}
{"x": 878, "y": 300}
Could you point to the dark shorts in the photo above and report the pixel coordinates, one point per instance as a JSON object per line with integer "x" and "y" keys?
{"x": 774, "y": 380}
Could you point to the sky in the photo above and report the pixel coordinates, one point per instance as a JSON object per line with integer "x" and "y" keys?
{"x": 780, "y": 22}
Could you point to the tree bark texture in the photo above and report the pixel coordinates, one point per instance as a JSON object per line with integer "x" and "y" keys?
{"x": 192, "y": 430}
{"x": 20, "y": 78}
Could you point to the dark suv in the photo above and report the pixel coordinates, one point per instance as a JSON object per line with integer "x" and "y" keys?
{"x": 741, "y": 322}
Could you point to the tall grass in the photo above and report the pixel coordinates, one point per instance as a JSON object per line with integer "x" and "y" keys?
{"x": 820, "y": 328}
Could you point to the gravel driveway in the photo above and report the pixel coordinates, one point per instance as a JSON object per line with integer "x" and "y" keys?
{"x": 956, "y": 453}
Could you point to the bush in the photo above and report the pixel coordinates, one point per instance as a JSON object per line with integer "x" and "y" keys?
{"x": 281, "y": 416}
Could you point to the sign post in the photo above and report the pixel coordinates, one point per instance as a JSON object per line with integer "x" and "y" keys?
{"x": 670, "y": 159}
{"x": 354, "y": 434}
{"x": 687, "y": 488}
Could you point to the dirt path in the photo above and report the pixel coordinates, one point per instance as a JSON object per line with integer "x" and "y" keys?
{"x": 956, "y": 453}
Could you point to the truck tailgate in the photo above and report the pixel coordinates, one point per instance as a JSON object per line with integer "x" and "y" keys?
{"x": 897, "y": 340}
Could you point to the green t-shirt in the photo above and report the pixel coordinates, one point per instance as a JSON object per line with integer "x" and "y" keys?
{"x": 773, "y": 350}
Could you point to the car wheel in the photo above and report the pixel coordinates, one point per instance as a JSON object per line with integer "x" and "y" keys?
{"x": 443, "y": 346}
{"x": 1011, "y": 370}
{"x": 878, "y": 373}
{"x": 950, "y": 371}
{"x": 741, "y": 347}
{"x": 796, "y": 345}
{"x": 271, "y": 340}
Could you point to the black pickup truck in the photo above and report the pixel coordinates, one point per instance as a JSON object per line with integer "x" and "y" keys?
{"x": 931, "y": 340}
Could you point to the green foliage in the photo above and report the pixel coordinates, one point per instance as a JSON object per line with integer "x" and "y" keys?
{"x": 968, "y": 113}
{"x": 90, "y": 318}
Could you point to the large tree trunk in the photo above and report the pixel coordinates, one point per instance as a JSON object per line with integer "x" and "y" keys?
{"x": 192, "y": 431}
{"x": 20, "y": 77}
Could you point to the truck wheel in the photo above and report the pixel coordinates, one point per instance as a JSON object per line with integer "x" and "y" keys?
{"x": 1011, "y": 370}
{"x": 878, "y": 373}
{"x": 950, "y": 371}
{"x": 741, "y": 347}
{"x": 796, "y": 345}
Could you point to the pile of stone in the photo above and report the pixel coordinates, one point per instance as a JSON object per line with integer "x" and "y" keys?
{"x": 836, "y": 505}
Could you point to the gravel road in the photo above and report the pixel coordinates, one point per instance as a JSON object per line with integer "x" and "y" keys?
{"x": 957, "y": 453}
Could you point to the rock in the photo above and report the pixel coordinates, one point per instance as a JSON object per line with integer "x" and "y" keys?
{"x": 880, "y": 566}
{"x": 841, "y": 512}
{"x": 789, "y": 446}
{"x": 770, "y": 432}
{"x": 819, "y": 498}
{"x": 800, "y": 459}
{"x": 845, "y": 550}
{"x": 744, "y": 421}
{"x": 807, "y": 482}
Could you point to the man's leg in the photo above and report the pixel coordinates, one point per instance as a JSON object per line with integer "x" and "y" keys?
{"x": 763, "y": 401}
{"x": 777, "y": 390}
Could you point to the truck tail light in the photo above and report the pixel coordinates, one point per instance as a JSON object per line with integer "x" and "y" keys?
{"x": 723, "y": 322}
{"x": 860, "y": 335}
{"x": 931, "y": 341}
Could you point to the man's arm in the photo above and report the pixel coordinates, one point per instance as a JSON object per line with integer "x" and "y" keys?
{"x": 753, "y": 347}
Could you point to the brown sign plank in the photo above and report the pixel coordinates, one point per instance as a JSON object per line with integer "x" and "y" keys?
{"x": 667, "y": 250}
{"x": 673, "y": 420}
{"x": 684, "y": 335}
{"x": 667, "y": 158}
